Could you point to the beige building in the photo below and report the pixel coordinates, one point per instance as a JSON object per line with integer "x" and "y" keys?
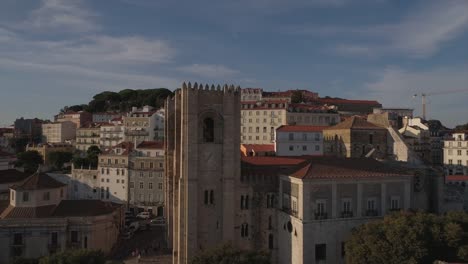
{"x": 46, "y": 149}
{"x": 355, "y": 137}
{"x": 259, "y": 120}
{"x": 456, "y": 154}
{"x": 88, "y": 136}
{"x": 80, "y": 118}
{"x": 325, "y": 199}
{"x": 145, "y": 124}
{"x": 111, "y": 134}
{"x": 58, "y": 132}
{"x": 113, "y": 173}
{"x": 37, "y": 221}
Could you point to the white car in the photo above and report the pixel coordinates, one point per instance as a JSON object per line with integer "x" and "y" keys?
{"x": 144, "y": 215}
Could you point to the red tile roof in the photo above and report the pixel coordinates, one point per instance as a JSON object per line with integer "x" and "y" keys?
{"x": 12, "y": 176}
{"x": 456, "y": 177}
{"x": 76, "y": 208}
{"x": 354, "y": 122}
{"x": 287, "y": 128}
{"x": 333, "y": 168}
{"x": 151, "y": 145}
{"x": 38, "y": 181}
{"x": 259, "y": 147}
{"x": 346, "y": 101}
{"x": 27, "y": 212}
{"x": 272, "y": 160}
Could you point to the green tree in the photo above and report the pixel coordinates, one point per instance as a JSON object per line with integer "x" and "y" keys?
{"x": 297, "y": 97}
{"x": 92, "y": 155}
{"x": 409, "y": 238}
{"x": 29, "y": 160}
{"x": 80, "y": 256}
{"x": 227, "y": 254}
{"x": 58, "y": 158}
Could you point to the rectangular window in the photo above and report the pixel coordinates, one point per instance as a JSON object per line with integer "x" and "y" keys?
{"x": 320, "y": 209}
{"x": 150, "y": 185}
{"x": 395, "y": 203}
{"x": 17, "y": 239}
{"x": 74, "y": 236}
{"x": 291, "y": 136}
{"x": 304, "y": 148}
{"x": 291, "y": 148}
{"x": 54, "y": 238}
{"x": 320, "y": 252}
{"x": 450, "y": 162}
{"x": 25, "y": 196}
{"x": 160, "y": 186}
{"x": 141, "y": 185}
{"x": 459, "y": 162}
{"x": 46, "y": 196}
{"x": 459, "y": 152}
{"x": 12, "y": 194}
{"x": 304, "y": 136}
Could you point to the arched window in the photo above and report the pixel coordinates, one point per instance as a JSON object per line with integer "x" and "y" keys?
{"x": 270, "y": 241}
{"x": 208, "y": 130}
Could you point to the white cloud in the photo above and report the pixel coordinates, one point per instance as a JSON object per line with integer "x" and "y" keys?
{"x": 208, "y": 70}
{"x": 63, "y": 15}
{"x": 421, "y": 33}
{"x": 395, "y": 87}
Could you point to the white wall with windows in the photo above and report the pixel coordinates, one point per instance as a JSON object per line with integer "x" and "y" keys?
{"x": 291, "y": 141}
{"x": 456, "y": 154}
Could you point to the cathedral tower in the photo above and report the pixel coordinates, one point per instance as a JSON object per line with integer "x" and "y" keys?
{"x": 202, "y": 164}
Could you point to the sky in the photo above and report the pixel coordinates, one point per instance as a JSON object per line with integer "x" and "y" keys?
{"x": 62, "y": 52}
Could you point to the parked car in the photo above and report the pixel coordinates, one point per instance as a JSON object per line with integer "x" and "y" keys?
{"x": 158, "y": 222}
{"x": 134, "y": 226}
{"x": 144, "y": 215}
{"x": 127, "y": 234}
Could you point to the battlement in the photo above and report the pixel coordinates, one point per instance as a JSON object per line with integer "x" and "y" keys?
{"x": 227, "y": 89}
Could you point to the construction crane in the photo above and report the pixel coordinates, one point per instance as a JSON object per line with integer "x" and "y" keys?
{"x": 424, "y": 95}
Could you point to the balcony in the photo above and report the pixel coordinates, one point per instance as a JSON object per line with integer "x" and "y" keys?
{"x": 346, "y": 214}
{"x": 290, "y": 211}
{"x": 320, "y": 216}
{"x": 372, "y": 212}
{"x": 136, "y": 133}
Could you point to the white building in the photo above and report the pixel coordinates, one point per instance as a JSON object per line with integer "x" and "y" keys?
{"x": 58, "y": 132}
{"x": 145, "y": 124}
{"x": 111, "y": 134}
{"x": 39, "y": 221}
{"x": 299, "y": 140}
{"x": 105, "y": 117}
{"x": 456, "y": 154}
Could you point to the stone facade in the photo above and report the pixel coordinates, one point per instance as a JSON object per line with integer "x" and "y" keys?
{"x": 203, "y": 123}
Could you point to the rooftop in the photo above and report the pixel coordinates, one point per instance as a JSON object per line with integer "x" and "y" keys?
{"x": 151, "y": 145}
{"x": 346, "y": 168}
{"x": 259, "y": 148}
{"x": 456, "y": 177}
{"x": 272, "y": 160}
{"x": 38, "y": 181}
{"x": 66, "y": 208}
{"x": 355, "y": 122}
{"x": 287, "y": 128}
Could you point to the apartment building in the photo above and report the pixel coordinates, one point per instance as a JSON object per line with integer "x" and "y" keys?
{"x": 299, "y": 140}
{"x": 105, "y": 117}
{"x": 45, "y": 149}
{"x": 58, "y": 132}
{"x": 146, "y": 170}
{"x": 142, "y": 124}
{"x": 260, "y": 120}
{"x": 113, "y": 173}
{"x": 456, "y": 154}
{"x": 88, "y": 136}
{"x": 80, "y": 118}
{"x": 38, "y": 221}
{"x": 355, "y": 137}
{"x": 326, "y": 198}
{"x": 112, "y": 134}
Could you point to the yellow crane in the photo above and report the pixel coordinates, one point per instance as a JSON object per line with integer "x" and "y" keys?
{"x": 424, "y": 95}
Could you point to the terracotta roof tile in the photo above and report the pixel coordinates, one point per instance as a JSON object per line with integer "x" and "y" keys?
{"x": 354, "y": 122}
{"x": 456, "y": 177}
{"x": 332, "y": 167}
{"x": 287, "y": 128}
{"x": 259, "y": 147}
{"x": 74, "y": 208}
{"x": 346, "y": 101}
{"x": 151, "y": 145}
{"x": 27, "y": 212}
{"x": 38, "y": 181}
{"x": 272, "y": 160}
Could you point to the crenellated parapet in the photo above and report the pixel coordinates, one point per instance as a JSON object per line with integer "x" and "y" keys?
{"x": 226, "y": 89}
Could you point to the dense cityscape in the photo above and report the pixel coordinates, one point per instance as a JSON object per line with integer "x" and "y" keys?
{"x": 233, "y": 132}
{"x": 289, "y": 173}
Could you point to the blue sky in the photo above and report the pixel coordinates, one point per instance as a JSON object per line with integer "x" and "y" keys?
{"x": 61, "y": 52}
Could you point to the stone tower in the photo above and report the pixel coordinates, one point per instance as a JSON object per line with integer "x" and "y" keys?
{"x": 202, "y": 164}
